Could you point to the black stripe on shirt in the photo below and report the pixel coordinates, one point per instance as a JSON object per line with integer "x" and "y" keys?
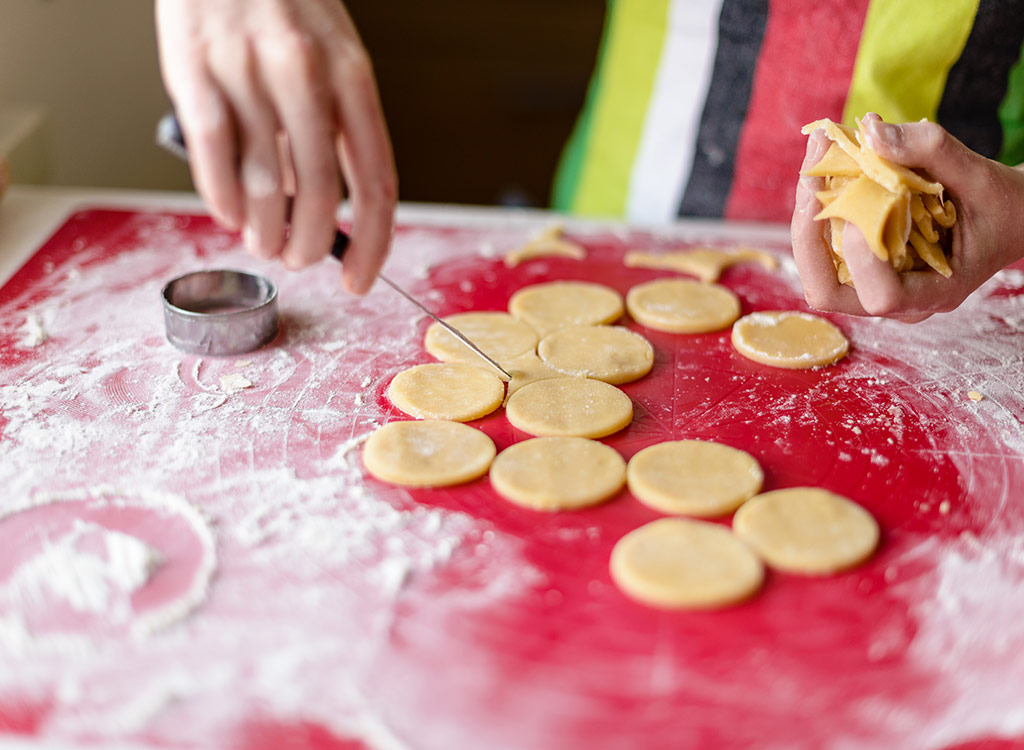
{"x": 741, "y": 27}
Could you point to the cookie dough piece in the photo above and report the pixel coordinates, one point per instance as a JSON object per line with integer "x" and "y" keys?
{"x": 682, "y": 306}
{"x": 556, "y": 304}
{"x": 694, "y": 477}
{"x": 569, "y": 406}
{"x": 558, "y": 473}
{"x": 706, "y": 263}
{"x": 610, "y": 353}
{"x": 678, "y": 563}
{"x": 500, "y": 336}
{"x": 807, "y": 530}
{"x": 428, "y": 454}
{"x": 793, "y": 340}
{"x": 447, "y": 390}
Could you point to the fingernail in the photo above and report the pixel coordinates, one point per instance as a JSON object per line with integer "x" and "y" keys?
{"x": 884, "y": 134}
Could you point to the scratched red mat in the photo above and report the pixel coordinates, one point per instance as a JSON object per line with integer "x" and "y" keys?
{"x": 186, "y": 563}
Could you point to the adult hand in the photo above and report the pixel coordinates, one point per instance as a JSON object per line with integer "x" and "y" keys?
{"x": 988, "y": 234}
{"x": 277, "y": 96}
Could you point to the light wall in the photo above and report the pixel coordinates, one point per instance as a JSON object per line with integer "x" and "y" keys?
{"x": 92, "y": 66}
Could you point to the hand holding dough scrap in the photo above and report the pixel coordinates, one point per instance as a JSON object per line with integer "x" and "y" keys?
{"x": 610, "y": 353}
{"x": 500, "y": 336}
{"x": 706, "y": 263}
{"x": 677, "y": 563}
{"x": 682, "y": 306}
{"x": 568, "y": 406}
{"x": 553, "y": 305}
{"x": 902, "y": 215}
{"x": 807, "y": 530}
{"x": 447, "y": 390}
{"x": 693, "y": 477}
{"x": 792, "y": 340}
{"x": 558, "y": 473}
{"x": 428, "y": 454}
{"x": 549, "y": 242}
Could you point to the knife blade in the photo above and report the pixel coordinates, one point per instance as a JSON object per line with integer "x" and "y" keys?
{"x": 170, "y": 137}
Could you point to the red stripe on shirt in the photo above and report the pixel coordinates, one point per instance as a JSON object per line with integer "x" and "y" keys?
{"x": 803, "y": 74}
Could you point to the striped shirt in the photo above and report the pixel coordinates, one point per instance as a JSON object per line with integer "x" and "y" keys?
{"x": 695, "y": 106}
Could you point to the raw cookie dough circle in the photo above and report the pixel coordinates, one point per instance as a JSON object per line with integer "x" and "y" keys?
{"x": 569, "y": 406}
{"x": 428, "y": 454}
{"x": 682, "y": 306}
{"x": 556, "y": 304}
{"x": 678, "y": 563}
{"x": 558, "y": 473}
{"x": 807, "y": 530}
{"x": 794, "y": 340}
{"x": 447, "y": 390}
{"x": 609, "y": 353}
{"x": 500, "y": 336}
{"x": 693, "y": 477}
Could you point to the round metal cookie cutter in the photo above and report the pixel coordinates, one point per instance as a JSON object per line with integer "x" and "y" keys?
{"x": 220, "y": 311}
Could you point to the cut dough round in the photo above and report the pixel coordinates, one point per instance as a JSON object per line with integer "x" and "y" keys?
{"x": 500, "y": 336}
{"x": 428, "y": 454}
{"x": 678, "y": 563}
{"x": 682, "y": 306}
{"x": 694, "y": 477}
{"x": 556, "y": 304}
{"x": 794, "y": 340}
{"x": 609, "y": 353}
{"x": 569, "y": 406}
{"x": 447, "y": 390}
{"x": 558, "y": 473}
{"x": 807, "y": 530}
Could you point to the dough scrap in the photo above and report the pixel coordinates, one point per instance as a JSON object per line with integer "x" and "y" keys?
{"x": 610, "y": 353}
{"x": 525, "y": 369}
{"x": 788, "y": 339}
{"x": 433, "y": 453}
{"x": 682, "y": 306}
{"x": 706, "y": 263}
{"x": 447, "y": 390}
{"x": 558, "y": 473}
{"x": 569, "y": 406}
{"x": 550, "y": 242}
{"x": 500, "y": 336}
{"x": 556, "y": 304}
{"x": 902, "y": 215}
{"x": 807, "y": 530}
{"x": 679, "y": 563}
{"x": 694, "y": 477}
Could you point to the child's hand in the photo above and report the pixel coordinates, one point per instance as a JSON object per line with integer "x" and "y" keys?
{"x": 988, "y": 234}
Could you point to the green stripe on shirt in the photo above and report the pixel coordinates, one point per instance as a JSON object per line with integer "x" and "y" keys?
{"x": 906, "y": 50}
{"x": 595, "y": 171}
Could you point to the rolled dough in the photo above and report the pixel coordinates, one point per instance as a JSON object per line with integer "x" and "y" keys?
{"x": 556, "y": 304}
{"x": 807, "y": 530}
{"x": 679, "y": 563}
{"x": 447, "y": 390}
{"x": 793, "y": 340}
{"x": 558, "y": 473}
{"x": 434, "y": 453}
{"x": 610, "y": 353}
{"x": 682, "y": 306}
{"x": 694, "y": 477}
{"x": 569, "y": 406}
{"x": 500, "y": 336}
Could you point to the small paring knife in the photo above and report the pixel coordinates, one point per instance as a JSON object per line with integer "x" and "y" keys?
{"x": 169, "y": 137}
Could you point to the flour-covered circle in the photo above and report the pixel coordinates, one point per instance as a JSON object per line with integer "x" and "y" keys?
{"x": 613, "y": 354}
{"x": 572, "y": 407}
{"x": 792, "y": 340}
{"x": 497, "y": 334}
{"x": 433, "y": 453}
{"x": 447, "y": 390}
{"x": 556, "y": 304}
{"x": 682, "y": 306}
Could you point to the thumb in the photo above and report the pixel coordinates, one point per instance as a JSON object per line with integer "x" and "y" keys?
{"x": 921, "y": 145}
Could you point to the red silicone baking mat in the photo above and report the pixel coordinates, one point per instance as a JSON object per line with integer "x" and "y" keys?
{"x": 184, "y": 564}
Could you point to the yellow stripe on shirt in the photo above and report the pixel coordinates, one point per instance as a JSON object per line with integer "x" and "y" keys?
{"x": 905, "y": 53}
